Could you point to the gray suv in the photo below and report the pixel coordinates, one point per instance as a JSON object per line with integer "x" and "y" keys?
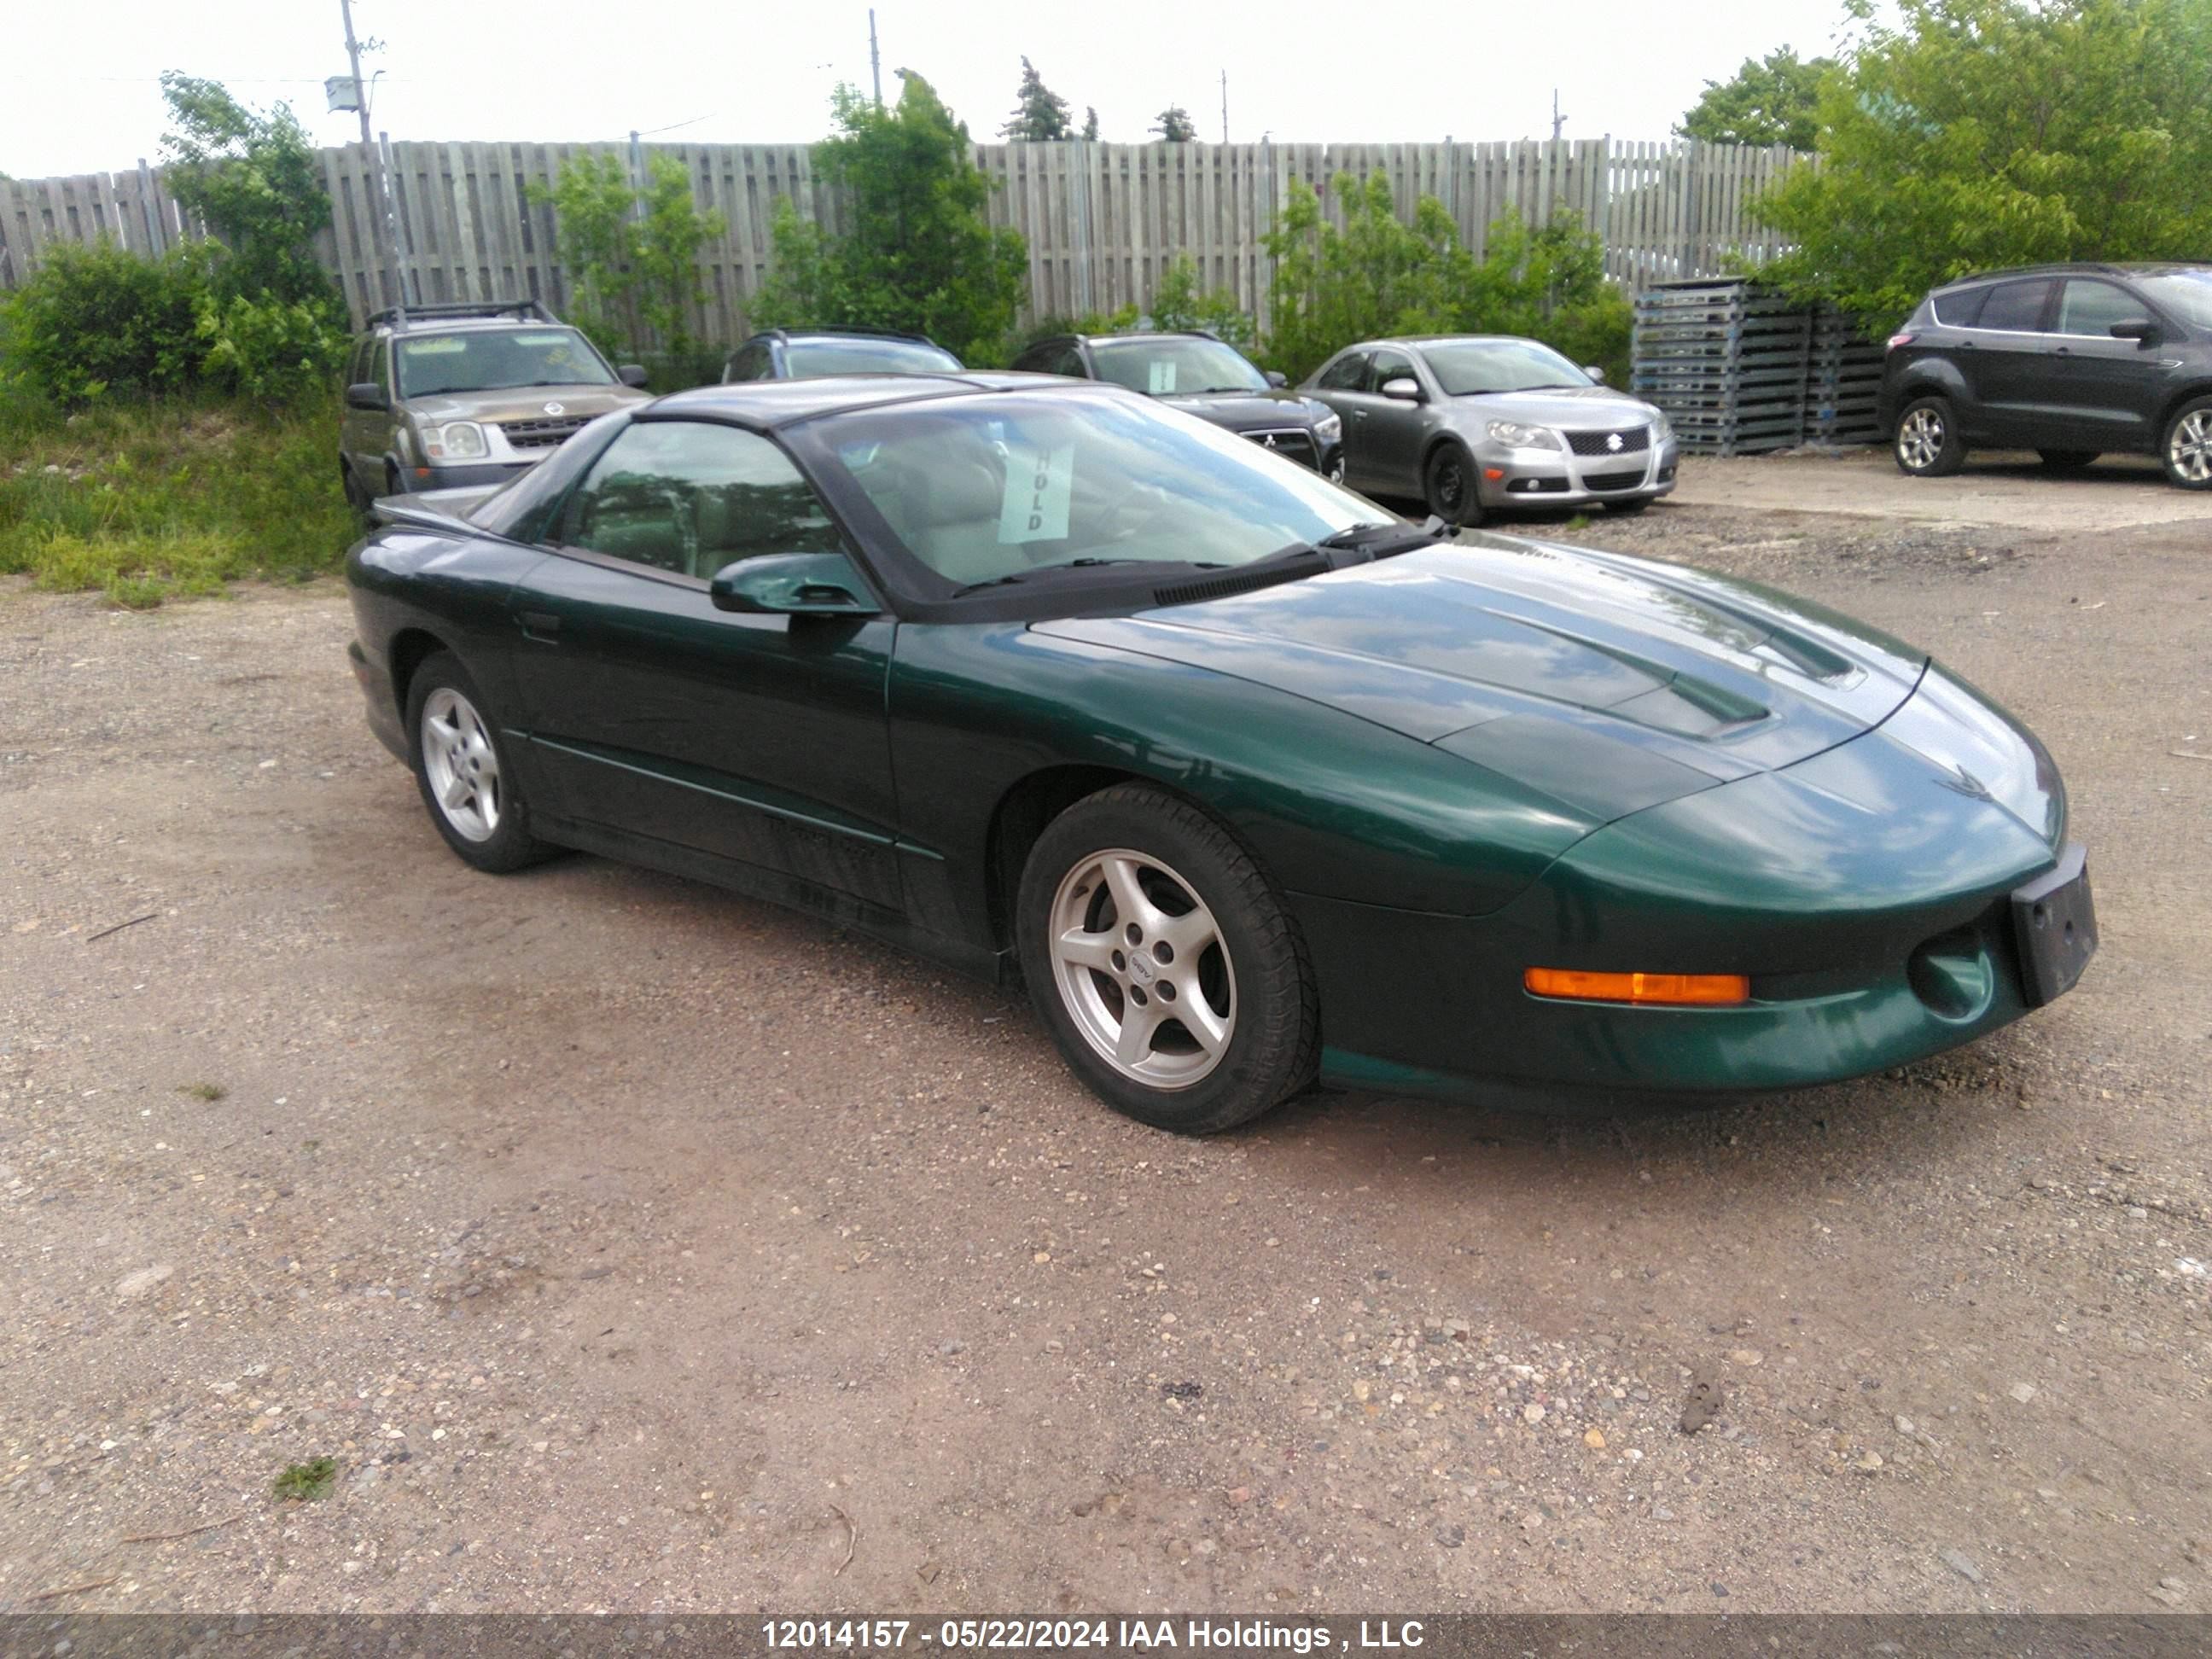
{"x": 443, "y": 395}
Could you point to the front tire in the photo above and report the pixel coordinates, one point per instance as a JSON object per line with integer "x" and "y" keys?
{"x": 1448, "y": 482}
{"x": 2187, "y": 447}
{"x": 1927, "y": 443}
{"x": 1165, "y": 964}
{"x": 461, "y": 767}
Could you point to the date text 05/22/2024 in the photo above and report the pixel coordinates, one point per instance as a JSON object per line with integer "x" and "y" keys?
{"x": 887, "y": 1635}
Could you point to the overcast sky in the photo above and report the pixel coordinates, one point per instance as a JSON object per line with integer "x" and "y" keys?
{"x": 78, "y": 91}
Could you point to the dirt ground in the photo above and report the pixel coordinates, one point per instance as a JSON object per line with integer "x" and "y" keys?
{"x": 629, "y": 1245}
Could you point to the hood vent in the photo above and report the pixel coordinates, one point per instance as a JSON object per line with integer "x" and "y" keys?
{"x": 1222, "y": 587}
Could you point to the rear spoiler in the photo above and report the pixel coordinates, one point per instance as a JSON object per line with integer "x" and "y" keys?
{"x": 442, "y": 510}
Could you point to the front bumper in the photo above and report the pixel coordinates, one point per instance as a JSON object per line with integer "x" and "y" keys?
{"x": 375, "y": 684}
{"x": 415, "y": 480}
{"x": 1553, "y": 477}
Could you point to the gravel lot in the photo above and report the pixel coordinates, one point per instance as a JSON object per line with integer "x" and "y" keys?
{"x": 629, "y": 1245}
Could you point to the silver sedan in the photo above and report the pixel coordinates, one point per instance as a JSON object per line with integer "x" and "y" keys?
{"x": 1477, "y": 422}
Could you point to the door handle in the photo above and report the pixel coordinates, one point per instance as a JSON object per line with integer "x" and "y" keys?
{"x": 539, "y": 625}
{"x": 2061, "y": 351}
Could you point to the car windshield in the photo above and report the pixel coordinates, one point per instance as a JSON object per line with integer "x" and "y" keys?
{"x": 2186, "y": 293}
{"x": 811, "y": 358}
{"x": 1466, "y": 367}
{"x": 493, "y": 360}
{"x": 1176, "y": 366}
{"x": 979, "y": 489}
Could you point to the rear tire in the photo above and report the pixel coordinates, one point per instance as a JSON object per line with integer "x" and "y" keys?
{"x": 1165, "y": 964}
{"x": 461, "y": 767}
{"x": 2067, "y": 460}
{"x": 1448, "y": 482}
{"x": 1928, "y": 444}
{"x": 2186, "y": 449}
{"x": 356, "y": 497}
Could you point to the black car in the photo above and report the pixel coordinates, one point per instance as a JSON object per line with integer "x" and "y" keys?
{"x": 2072, "y": 361}
{"x": 1211, "y": 378}
{"x": 807, "y": 354}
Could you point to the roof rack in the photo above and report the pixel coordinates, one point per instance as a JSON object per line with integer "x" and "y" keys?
{"x": 523, "y": 310}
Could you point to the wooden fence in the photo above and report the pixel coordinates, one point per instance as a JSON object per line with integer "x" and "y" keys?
{"x": 1102, "y": 220}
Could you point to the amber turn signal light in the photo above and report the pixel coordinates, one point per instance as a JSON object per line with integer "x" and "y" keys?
{"x": 1703, "y": 990}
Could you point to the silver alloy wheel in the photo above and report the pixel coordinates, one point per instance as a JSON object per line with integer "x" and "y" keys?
{"x": 1920, "y": 440}
{"x": 461, "y": 765}
{"x": 2190, "y": 446}
{"x": 1142, "y": 969}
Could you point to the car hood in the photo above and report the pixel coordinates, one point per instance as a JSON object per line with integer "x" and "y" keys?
{"x": 1249, "y": 412}
{"x": 1609, "y": 683}
{"x": 1566, "y": 406}
{"x": 525, "y": 402}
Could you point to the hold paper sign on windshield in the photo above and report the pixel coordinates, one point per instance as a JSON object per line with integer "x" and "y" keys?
{"x": 1160, "y": 376}
{"x": 1035, "y": 505}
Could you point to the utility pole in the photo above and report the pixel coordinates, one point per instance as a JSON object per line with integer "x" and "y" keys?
{"x": 1558, "y": 121}
{"x": 875, "y": 59}
{"x": 1224, "y": 107}
{"x": 375, "y": 161}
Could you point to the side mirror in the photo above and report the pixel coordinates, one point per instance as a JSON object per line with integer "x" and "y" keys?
{"x": 632, "y": 375}
{"x": 1277, "y": 378}
{"x": 1597, "y": 374}
{"x": 792, "y": 584}
{"x": 367, "y": 394}
{"x": 1405, "y": 388}
{"x": 2136, "y": 328}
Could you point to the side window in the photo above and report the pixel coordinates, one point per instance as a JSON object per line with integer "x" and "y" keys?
{"x": 358, "y": 371}
{"x": 2015, "y": 307}
{"x": 1054, "y": 360}
{"x": 379, "y": 363}
{"x": 688, "y": 497}
{"x": 2088, "y": 307}
{"x": 1347, "y": 373}
{"x": 751, "y": 363}
{"x": 1392, "y": 366}
{"x": 1960, "y": 310}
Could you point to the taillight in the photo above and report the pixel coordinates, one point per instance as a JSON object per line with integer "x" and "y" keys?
{"x": 1905, "y": 339}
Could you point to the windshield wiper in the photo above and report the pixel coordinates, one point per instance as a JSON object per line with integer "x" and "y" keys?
{"x": 1041, "y": 569}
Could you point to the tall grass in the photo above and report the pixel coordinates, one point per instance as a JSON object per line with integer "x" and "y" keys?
{"x": 145, "y": 500}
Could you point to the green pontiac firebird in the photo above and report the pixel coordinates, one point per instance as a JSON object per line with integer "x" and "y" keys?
{"x": 1252, "y": 783}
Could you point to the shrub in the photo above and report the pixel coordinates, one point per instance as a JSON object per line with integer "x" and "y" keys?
{"x": 265, "y": 349}
{"x": 633, "y": 278}
{"x": 97, "y": 321}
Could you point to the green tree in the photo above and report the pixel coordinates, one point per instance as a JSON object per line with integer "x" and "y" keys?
{"x": 1041, "y": 115}
{"x": 632, "y": 256}
{"x": 665, "y": 254}
{"x": 1972, "y": 134}
{"x": 1774, "y": 99}
{"x": 1177, "y": 304}
{"x": 255, "y": 178}
{"x": 1381, "y": 274}
{"x": 1378, "y": 275}
{"x": 1174, "y": 125}
{"x": 592, "y": 199}
{"x": 920, "y": 253}
{"x": 1090, "y": 124}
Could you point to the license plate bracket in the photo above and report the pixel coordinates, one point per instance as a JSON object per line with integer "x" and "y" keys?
{"x": 2054, "y": 921}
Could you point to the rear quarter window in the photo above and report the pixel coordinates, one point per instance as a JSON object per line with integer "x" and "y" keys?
{"x": 1960, "y": 309}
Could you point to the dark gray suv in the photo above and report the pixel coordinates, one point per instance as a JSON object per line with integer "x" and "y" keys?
{"x": 2073, "y": 361}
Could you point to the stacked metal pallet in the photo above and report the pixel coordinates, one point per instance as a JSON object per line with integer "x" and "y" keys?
{"x": 1842, "y": 383}
{"x": 1739, "y": 370}
{"x": 1727, "y": 361}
